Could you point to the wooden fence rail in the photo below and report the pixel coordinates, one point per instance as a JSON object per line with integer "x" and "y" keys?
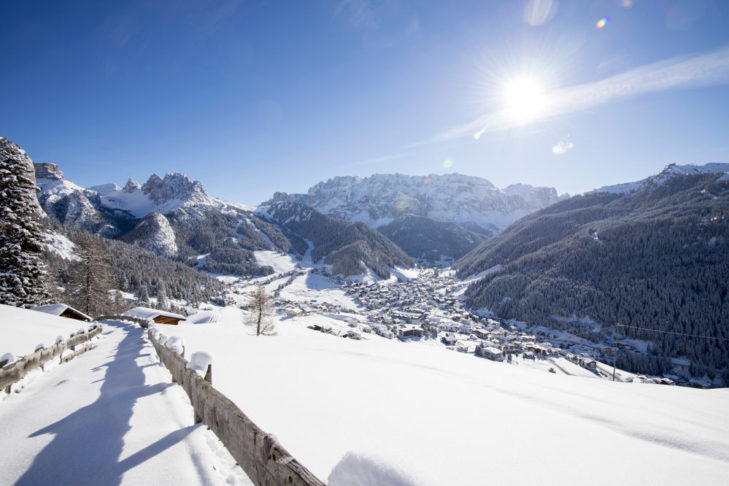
{"x": 16, "y": 370}
{"x": 264, "y": 460}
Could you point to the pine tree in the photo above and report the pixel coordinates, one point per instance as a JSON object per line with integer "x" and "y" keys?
{"x": 143, "y": 296}
{"x": 22, "y": 271}
{"x": 162, "y": 302}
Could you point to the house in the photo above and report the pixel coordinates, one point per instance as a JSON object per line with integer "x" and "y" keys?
{"x": 448, "y": 339}
{"x": 411, "y": 331}
{"x": 489, "y": 352}
{"x": 63, "y": 310}
{"x": 156, "y": 315}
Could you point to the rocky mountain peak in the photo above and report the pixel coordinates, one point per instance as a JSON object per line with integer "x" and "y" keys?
{"x": 131, "y": 186}
{"x": 46, "y": 170}
{"x": 174, "y": 186}
{"x": 381, "y": 198}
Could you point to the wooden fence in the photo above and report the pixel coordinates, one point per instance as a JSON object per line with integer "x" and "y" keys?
{"x": 264, "y": 460}
{"x": 16, "y": 370}
{"x": 136, "y": 320}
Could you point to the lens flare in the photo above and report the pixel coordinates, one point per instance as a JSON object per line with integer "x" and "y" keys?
{"x": 602, "y": 22}
{"x": 447, "y": 163}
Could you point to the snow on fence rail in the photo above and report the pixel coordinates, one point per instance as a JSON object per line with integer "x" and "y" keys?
{"x": 13, "y": 372}
{"x": 261, "y": 456}
{"x": 136, "y": 320}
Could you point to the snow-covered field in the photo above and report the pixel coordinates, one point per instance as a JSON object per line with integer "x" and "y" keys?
{"x": 21, "y": 330}
{"x": 432, "y": 416}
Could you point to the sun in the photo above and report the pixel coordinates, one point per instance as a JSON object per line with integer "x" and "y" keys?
{"x": 523, "y": 99}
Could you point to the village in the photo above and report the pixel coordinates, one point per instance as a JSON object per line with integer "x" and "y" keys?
{"x": 428, "y": 308}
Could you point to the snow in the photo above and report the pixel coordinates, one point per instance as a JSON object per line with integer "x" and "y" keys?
{"x": 280, "y": 263}
{"x": 325, "y": 291}
{"x": 199, "y": 362}
{"x": 61, "y": 246}
{"x": 109, "y": 416}
{"x": 57, "y": 310}
{"x": 357, "y": 470}
{"x": 437, "y": 415}
{"x": 176, "y": 344}
{"x": 380, "y": 198}
{"x": 21, "y": 330}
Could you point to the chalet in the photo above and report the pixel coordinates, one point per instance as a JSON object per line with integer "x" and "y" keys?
{"x": 480, "y": 332}
{"x": 489, "y": 352}
{"x": 411, "y": 331}
{"x": 158, "y": 316}
{"x": 63, "y": 310}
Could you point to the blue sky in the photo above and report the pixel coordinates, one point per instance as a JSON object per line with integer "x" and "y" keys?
{"x": 252, "y": 97}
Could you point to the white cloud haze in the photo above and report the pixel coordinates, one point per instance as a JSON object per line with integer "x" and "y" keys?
{"x": 678, "y": 72}
{"x": 562, "y": 147}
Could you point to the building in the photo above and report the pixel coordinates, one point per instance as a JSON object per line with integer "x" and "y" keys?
{"x": 156, "y": 315}
{"x": 489, "y": 352}
{"x": 63, "y": 310}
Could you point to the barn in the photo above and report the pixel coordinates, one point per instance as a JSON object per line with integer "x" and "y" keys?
{"x": 63, "y": 310}
{"x": 156, "y": 315}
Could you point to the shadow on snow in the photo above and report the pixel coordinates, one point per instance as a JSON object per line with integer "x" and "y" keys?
{"x": 87, "y": 444}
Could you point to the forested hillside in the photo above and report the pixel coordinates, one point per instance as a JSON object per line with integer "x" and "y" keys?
{"x": 350, "y": 248}
{"x": 429, "y": 241}
{"x": 655, "y": 259}
{"x": 121, "y": 266}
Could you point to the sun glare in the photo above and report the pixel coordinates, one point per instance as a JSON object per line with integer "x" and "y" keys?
{"x": 523, "y": 99}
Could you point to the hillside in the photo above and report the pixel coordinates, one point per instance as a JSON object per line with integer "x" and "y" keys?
{"x": 350, "y": 248}
{"x": 651, "y": 256}
{"x": 429, "y": 241}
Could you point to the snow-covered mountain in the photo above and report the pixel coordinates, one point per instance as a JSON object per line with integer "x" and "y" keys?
{"x": 174, "y": 217}
{"x": 669, "y": 172}
{"x": 470, "y": 201}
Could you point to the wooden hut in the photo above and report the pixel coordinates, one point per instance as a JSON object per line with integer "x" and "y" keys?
{"x": 63, "y": 310}
{"x": 156, "y": 315}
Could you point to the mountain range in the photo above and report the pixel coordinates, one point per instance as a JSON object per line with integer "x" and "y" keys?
{"x": 175, "y": 218}
{"x": 436, "y": 219}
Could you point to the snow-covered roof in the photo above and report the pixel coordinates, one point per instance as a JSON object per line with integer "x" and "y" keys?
{"x": 147, "y": 313}
{"x": 58, "y": 309}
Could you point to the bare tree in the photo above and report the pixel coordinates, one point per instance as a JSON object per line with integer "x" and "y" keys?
{"x": 259, "y": 316}
{"x": 91, "y": 281}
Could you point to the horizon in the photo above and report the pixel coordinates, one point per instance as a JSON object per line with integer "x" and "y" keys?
{"x": 142, "y": 181}
{"x": 252, "y": 98}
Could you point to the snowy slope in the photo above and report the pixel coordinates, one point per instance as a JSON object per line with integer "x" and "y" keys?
{"x": 21, "y": 330}
{"x": 438, "y": 417}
